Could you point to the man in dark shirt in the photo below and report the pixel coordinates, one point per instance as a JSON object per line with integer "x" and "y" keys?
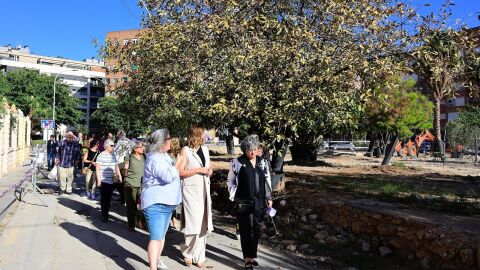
{"x": 51, "y": 151}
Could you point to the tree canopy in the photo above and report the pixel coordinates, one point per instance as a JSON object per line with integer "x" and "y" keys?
{"x": 398, "y": 107}
{"x": 114, "y": 114}
{"x": 288, "y": 69}
{"x": 32, "y": 92}
{"x": 466, "y": 128}
{"x": 445, "y": 58}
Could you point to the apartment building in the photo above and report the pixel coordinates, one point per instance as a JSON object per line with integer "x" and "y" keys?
{"x": 115, "y": 76}
{"x": 84, "y": 78}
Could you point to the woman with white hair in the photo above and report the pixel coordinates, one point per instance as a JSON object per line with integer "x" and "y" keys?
{"x": 106, "y": 170}
{"x": 161, "y": 193}
{"x": 249, "y": 186}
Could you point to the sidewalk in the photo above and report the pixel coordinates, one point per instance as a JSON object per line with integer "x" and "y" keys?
{"x": 8, "y": 201}
{"x": 69, "y": 234}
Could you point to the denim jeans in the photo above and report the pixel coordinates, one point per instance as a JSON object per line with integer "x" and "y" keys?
{"x": 51, "y": 160}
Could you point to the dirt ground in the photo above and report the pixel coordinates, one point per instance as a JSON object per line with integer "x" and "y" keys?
{"x": 456, "y": 180}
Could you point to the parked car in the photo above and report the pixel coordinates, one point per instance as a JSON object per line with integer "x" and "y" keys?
{"x": 341, "y": 145}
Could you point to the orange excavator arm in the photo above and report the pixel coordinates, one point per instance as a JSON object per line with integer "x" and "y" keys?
{"x": 424, "y": 136}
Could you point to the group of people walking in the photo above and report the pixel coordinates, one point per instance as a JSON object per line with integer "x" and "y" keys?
{"x": 160, "y": 176}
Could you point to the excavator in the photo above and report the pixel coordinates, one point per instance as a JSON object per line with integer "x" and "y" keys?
{"x": 410, "y": 149}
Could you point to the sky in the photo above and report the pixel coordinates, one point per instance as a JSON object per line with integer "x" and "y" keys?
{"x": 67, "y": 27}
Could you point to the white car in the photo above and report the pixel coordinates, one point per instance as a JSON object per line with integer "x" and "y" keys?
{"x": 341, "y": 145}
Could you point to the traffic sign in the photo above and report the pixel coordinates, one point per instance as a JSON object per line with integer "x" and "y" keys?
{"x": 48, "y": 124}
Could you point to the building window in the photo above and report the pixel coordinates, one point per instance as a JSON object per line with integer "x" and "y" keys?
{"x": 451, "y": 102}
{"x": 125, "y": 42}
{"x": 460, "y": 101}
{"x": 452, "y": 116}
{"x": 134, "y": 41}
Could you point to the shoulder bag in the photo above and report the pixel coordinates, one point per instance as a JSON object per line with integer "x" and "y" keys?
{"x": 247, "y": 205}
{"x": 86, "y": 169}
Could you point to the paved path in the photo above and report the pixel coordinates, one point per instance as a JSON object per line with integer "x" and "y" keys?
{"x": 69, "y": 234}
{"x": 7, "y": 197}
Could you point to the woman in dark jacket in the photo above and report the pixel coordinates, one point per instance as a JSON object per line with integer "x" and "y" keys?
{"x": 249, "y": 186}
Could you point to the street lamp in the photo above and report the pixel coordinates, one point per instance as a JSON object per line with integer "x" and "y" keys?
{"x": 54, "y": 90}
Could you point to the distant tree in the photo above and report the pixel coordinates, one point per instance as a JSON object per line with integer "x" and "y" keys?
{"x": 445, "y": 59}
{"x": 398, "y": 107}
{"x": 465, "y": 129}
{"x": 32, "y": 92}
{"x": 115, "y": 113}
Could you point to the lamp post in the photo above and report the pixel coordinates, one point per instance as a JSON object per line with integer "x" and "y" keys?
{"x": 54, "y": 91}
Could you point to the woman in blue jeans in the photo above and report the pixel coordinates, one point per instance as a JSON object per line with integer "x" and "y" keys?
{"x": 161, "y": 193}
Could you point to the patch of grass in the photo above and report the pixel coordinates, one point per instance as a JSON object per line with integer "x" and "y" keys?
{"x": 424, "y": 197}
{"x": 399, "y": 164}
{"x": 37, "y": 142}
{"x": 389, "y": 189}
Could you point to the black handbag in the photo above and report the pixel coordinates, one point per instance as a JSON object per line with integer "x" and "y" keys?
{"x": 246, "y": 206}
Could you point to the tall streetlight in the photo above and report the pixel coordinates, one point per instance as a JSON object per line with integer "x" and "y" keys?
{"x": 54, "y": 91}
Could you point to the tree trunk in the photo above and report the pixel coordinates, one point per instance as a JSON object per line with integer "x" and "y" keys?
{"x": 436, "y": 123}
{"x": 384, "y": 143}
{"x": 278, "y": 156}
{"x": 476, "y": 150}
{"x": 303, "y": 152}
{"x": 370, "y": 146}
{"x": 229, "y": 142}
{"x": 437, "y": 126}
{"x": 390, "y": 150}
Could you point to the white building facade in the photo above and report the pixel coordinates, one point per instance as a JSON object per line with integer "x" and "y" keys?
{"x": 86, "y": 79}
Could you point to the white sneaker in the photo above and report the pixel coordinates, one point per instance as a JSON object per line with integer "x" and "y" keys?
{"x": 92, "y": 197}
{"x": 88, "y": 194}
{"x": 161, "y": 265}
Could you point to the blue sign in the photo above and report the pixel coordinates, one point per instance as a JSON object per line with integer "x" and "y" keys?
{"x": 48, "y": 124}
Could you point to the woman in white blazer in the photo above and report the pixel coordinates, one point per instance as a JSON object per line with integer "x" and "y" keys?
{"x": 195, "y": 172}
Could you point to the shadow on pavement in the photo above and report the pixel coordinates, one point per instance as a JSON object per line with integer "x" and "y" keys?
{"x": 229, "y": 259}
{"x": 93, "y": 238}
{"x": 119, "y": 227}
{"x": 224, "y": 233}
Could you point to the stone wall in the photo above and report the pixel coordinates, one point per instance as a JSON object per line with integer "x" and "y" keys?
{"x": 435, "y": 240}
{"x": 14, "y": 139}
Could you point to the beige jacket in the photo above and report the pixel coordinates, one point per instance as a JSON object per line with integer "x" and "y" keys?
{"x": 193, "y": 189}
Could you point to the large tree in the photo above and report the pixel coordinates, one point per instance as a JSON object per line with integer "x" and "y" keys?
{"x": 289, "y": 70}
{"x": 465, "y": 129}
{"x": 396, "y": 106}
{"x": 114, "y": 114}
{"x": 445, "y": 59}
{"x": 32, "y": 92}
{"x": 393, "y": 111}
